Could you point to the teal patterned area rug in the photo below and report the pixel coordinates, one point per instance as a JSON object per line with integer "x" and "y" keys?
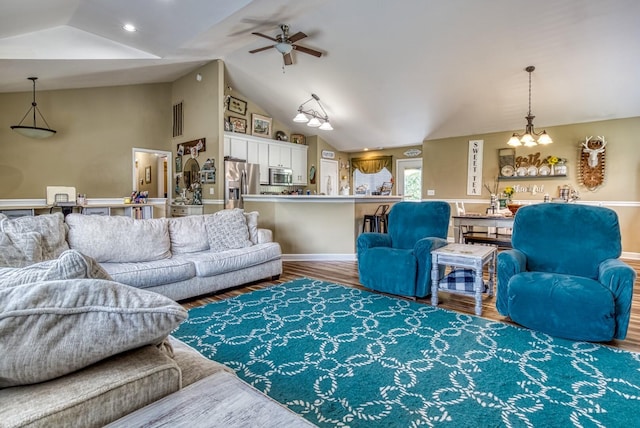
{"x": 343, "y": 357}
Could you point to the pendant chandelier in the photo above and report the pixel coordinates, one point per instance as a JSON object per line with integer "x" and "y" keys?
{"x": 33, "y": 131}
{"x": 528, "y": 138}
{"x": 313, "y": 118}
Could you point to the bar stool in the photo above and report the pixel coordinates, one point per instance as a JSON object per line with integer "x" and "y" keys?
{"x": 377, "y": 222}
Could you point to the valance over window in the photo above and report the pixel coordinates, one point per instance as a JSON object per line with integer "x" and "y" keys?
{"x": 372, "y": 165}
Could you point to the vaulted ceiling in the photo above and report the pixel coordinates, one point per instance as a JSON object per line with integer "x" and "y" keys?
{"x": 393, "y": 73}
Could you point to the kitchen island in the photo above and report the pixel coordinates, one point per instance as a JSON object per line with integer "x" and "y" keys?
{"x": 315, "y": 227}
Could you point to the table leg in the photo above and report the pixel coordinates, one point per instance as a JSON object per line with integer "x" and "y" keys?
{"x": 434, "y": 279}
{"x": 478, "y": 286}
{"x": 492, "y": 273}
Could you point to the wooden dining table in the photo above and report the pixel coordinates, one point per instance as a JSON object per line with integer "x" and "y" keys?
{"x": 460, "y": 222}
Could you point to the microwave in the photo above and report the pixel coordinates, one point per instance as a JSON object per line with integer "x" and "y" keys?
{"x": 280, "y": 176}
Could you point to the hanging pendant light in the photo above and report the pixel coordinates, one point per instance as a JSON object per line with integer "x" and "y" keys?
{"x": 33, "y": 131}
{"x": 528, "y": 138}
{"x": 313, "y": 118}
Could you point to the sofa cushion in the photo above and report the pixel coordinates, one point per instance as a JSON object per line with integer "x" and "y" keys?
{"x": 93, "y": 396}
{"x": 71, "y": 264}
{"x": 188, "y": 234}
{"x": 52, "y": 328}
{"x": 227, "y": 229}
{"x": 151, "y": 274}
{"x": 119, "y": 238}
{"x": 50, "y": 226}
{"x": 252, "y": 225}
{"x": 210, "y": 263}
{"x": 20, "y": 249}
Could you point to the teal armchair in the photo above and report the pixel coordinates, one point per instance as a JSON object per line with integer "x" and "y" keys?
{"x": 563, "y": 276}
{"x": 399, "y": 262}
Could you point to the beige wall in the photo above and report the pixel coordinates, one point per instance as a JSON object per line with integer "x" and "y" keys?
{"x": 203, "y": 118}
{"x": 97, "y": 127}
{"x": 316, "y": 145}
{"x": 445, "y": 169}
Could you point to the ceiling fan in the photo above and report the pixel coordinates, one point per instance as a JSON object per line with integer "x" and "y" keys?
{"x": 286, "y": 43}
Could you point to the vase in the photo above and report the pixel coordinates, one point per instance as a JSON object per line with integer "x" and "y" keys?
{"x": 552, "y": 170}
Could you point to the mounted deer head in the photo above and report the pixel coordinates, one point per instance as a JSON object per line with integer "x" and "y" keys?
{"x": 593, "y": 153}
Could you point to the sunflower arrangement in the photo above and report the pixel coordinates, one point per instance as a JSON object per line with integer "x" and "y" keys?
{"x": 508, "y": 191}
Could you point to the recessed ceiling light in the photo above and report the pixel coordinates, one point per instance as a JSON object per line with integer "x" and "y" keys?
{"x": 129, "y": 27}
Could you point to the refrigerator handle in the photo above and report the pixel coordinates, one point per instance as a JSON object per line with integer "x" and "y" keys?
{"x": 243, "y": 183}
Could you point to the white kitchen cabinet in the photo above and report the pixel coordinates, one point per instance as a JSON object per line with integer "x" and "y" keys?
{"x": 235, "y": 147}
{"x": 299, "y": 164}
{"x": 279, "y": 155}
{"x": 258, "y": 153}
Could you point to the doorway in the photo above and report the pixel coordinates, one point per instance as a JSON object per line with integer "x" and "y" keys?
{"x": 409, "y": 179}
{"x": 329, "y": 177}
{"x": 151, "y": 170}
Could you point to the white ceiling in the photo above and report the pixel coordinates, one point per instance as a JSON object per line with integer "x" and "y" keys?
{"x": 393, "y": 72}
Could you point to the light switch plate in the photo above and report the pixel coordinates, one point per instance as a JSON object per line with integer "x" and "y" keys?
{"x": 431, "y": 192}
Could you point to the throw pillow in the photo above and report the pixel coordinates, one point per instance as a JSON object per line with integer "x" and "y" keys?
{"x": 52, "y": 328}
{"x": 20, "y": 249}
{"x": 252, "y": 225}
{"x": 71, "y": 264}
{"x": 50, "y": 226}
{"x": 227, "y": 230}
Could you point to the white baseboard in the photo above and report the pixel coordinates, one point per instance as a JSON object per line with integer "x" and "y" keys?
{"x": 318, "y": 257}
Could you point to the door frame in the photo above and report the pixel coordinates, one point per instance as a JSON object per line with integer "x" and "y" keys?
{"x": 401, "y": 164}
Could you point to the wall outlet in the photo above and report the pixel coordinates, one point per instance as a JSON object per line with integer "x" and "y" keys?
{"x": 211, "y": 191}
{"x": 431, "y": 192}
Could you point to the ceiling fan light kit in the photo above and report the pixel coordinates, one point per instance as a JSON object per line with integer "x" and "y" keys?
{"x": 313, "y": 118}
{"x": 528, "y": 137}
{"x": 284, "y": 43}
{"x": 34, "y": 131}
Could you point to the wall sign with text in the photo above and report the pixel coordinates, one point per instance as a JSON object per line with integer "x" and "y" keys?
{"x": 474, "y": 172}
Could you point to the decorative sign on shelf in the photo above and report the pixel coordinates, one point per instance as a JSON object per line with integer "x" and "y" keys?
{"x": 532, "y": 165}
{"x": 474, "y": 172}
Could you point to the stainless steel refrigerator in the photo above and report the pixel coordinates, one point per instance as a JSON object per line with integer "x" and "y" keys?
{"x": 240, "y": 178}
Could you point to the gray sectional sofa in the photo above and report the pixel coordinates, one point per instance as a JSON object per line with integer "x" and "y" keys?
{"x": 87, "y": 307}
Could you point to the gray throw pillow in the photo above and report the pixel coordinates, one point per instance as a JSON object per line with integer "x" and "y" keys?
{"x": 50, "y": 226}
{"x": 70, "y": 265}
{"x": 227, "y": 230}
{"x": 52, "y": 328}
{"x": 20, "y": 249}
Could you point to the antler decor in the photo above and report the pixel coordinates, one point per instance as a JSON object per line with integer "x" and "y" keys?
{"x": 592, "y": 162}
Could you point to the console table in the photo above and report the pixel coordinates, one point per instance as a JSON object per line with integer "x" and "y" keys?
{"x": 472, "y": 257}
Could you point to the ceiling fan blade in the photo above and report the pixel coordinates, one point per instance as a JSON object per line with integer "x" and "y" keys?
{"x": 308, "y": 50}
{"x": 265, "y": 36}
{"x": 298, "y": 36}
{"x": 287, "y": 59}
{"x": 261, "y": 49}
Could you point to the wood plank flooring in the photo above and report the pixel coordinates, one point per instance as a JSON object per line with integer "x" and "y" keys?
{"x": 346, "y": 273}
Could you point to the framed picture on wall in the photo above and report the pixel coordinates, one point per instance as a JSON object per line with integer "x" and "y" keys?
{"x": 238, "y": 124}
{"x": 260, "y": 125}
{"x": 237, "y": 106}
{"x": 178, "y": 163}
{"x": 147, "y": 175}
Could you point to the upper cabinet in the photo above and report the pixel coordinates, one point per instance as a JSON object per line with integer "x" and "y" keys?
{"x": 268, "y": 153}
{"x": 279, "y": 155}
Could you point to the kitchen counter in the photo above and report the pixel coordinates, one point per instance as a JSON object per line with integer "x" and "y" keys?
{"x": 315, "y": 227}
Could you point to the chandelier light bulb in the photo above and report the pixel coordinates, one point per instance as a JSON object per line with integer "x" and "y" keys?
{"x": 326, "y": 126}
{"x": 314, "y": 122}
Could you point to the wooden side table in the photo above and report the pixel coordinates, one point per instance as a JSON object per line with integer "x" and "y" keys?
{"x": 472, "y": 257}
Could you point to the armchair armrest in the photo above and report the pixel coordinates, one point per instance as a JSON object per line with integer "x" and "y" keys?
{"x": 619, "y": 277}
{"x": 264, "y": 236}
{"x": 510, "y": 263}
{"x": 369, "y": 240}
{"x": 422, "y": 251}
